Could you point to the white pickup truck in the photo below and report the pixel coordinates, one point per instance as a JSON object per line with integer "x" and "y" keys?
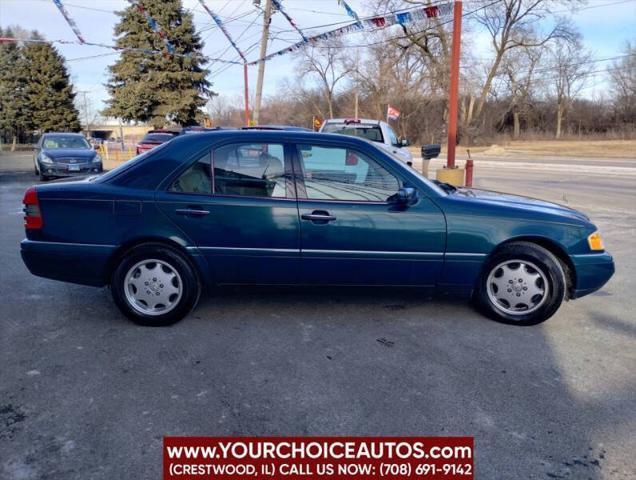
{"x": 374, "y": 130}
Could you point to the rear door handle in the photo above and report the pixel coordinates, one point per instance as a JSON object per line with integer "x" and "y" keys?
{"x": 194, "y": 212}
{"x": 318, "y": 216}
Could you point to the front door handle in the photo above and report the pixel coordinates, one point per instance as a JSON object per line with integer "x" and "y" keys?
{"x": 194, "y": 212}
{"x": 318, "y": 216}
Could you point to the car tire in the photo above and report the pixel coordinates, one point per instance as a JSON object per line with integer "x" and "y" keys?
{"x": 521, "y": 284}
{"x": 155, "y": 285}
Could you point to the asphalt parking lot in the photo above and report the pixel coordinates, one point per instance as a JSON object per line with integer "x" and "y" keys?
{"x": 86, "y": 394}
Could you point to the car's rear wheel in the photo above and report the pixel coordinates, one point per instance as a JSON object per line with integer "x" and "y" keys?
{"x": 521, "y": 284}
{"x": 155, "y": 285}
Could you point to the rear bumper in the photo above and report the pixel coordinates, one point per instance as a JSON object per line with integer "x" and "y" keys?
{"x": 592, "y": 272}
{"x": 68, "y": 262}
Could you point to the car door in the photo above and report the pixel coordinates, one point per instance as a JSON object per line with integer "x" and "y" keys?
{"x": 351, "y": 233}
{"x": 237, "y": 204}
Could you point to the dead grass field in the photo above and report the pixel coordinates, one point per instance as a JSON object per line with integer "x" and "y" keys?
{"x": 565, "y": 148}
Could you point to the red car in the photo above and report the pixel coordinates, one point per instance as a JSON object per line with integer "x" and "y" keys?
{"x": 154, "y": 138}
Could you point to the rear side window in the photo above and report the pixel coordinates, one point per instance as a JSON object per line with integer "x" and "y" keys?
{"x": 196, "y": 179}
{"x": 334, "y": 173}
{"x": 251, "y": 170}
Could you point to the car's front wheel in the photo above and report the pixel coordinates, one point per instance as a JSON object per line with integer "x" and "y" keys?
{"x": 521, "y": 284}
{"x": 155, "y": 285}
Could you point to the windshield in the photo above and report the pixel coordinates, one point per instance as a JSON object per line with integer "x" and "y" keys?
{"x": 62, "y": 141}
{"x": 370, "y": 132}
{"x": 158, "y": 137}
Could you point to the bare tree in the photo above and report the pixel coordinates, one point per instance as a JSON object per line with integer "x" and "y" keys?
{"x": 623, "y": 82}
{"x": 328, "y": 64}
{"x": 571, "y": 65}
{"x": 520, "y": 80}
{"x": 510, "y": 24}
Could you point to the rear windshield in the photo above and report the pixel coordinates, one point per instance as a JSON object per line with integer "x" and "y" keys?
{"x": 370, "y": 132}
{"x": 63, "y": 141}
{"x": 157, "y": 137}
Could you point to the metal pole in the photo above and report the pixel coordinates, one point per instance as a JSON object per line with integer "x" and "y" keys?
{"x": 247, "y": 96}
{"x": 261, "y": 65}
{"x": 85, "y": 108}
{"x": 357, "y": 85}
{"x": 454, "y": 84}
{"x": 121, "y": 135}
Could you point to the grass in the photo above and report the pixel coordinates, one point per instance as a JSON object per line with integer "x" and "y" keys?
{"x": 565, "y": 148}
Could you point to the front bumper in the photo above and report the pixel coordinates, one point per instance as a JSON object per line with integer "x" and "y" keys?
{"x": 592, "y": 272}
{"x": 68, "y": 262}
{"x": 70, "y": 170}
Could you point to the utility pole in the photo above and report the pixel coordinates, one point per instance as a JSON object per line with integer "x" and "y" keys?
{"x": 357, "y": 85}
{"x": 261, "y": 65}
{"x": 85, "y": 108}
{"x": 454, "y": 84}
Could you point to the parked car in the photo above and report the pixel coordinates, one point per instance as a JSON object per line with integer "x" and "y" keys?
{"x": 374, "y": 130}
{"x": 287, "y": 208}
{"x": 198, "y": 129}
{"x": 64, "y": 155}
{"x": 154, "y": 138}
{"x": 293, "y": 128}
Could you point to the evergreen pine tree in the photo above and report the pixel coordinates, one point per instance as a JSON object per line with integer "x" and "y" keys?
{"x": 150, "y": 85}
{"x": 48, "y": 92}
{"x": 14, "y": 114}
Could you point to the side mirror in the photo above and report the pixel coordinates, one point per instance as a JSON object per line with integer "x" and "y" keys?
{"x": 405, "y": 196}
{"x": 404, "y": 142}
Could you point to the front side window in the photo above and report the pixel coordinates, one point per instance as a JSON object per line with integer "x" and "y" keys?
{"x": 250, "y": 169}
{"x": 334, "y": 173}
{"x": 195, "y": 179}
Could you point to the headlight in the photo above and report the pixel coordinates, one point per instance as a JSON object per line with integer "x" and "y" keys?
{"x": 595, "y": 241}
{"x": 45, "y": 159}
{"x": 97, "y": 159}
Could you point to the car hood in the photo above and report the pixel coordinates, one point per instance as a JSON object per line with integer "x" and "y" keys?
{"x": 528, "y": 203}
{"x": 56, "y": 153}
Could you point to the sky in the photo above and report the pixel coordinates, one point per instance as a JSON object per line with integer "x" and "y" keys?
{"x": 605, "y": 25}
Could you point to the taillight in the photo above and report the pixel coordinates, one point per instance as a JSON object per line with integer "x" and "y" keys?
{"x": 32, "y": 214}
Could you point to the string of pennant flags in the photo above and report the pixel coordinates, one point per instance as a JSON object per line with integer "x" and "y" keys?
{"x": 289, "y": 19}
{"x": 381, "y": 21}
{"x": 69, "y": 20}
{"x": 112, "y": 47}
{"x": 376, "y": 22}
{"x": 219, "y": 23}
{"x": 152, "y": 23}
{"x": 350, "y": 11}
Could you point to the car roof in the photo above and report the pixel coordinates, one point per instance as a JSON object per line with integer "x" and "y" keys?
{"x": 167, "y": 132}
{"x": 59, "y": 134}
{"x": 257, "y": 135}
{"x": 354, "y": 121}
{"x": 277, "y": 127}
